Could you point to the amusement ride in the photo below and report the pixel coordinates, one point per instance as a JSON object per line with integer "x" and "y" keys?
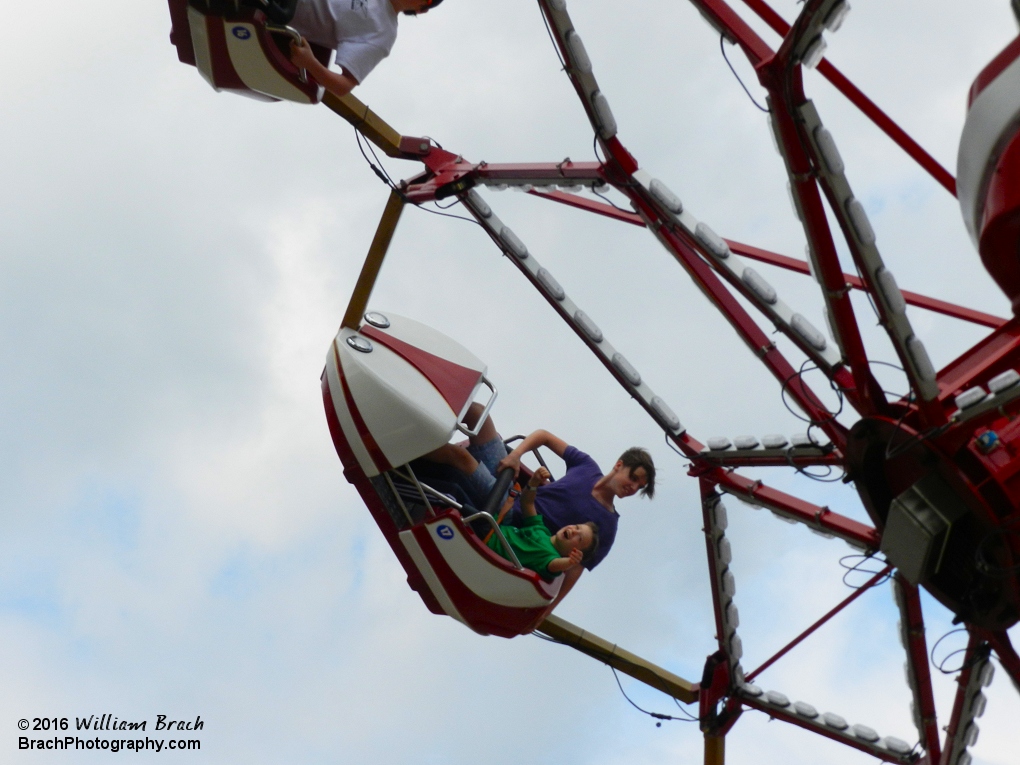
{"x": 937, "y": 470}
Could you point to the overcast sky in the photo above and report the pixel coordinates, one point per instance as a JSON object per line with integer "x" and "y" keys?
{"x": 177, "y": 537}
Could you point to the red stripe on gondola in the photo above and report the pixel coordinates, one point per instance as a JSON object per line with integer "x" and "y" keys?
{"x": 454, "y": 382}
{"x": 993, "y": 70}
{"x": 224, "y": 74}
{"x": 356, "y": 476}
{"x": 381, "y": 463}
{"x": 482, "y": 615}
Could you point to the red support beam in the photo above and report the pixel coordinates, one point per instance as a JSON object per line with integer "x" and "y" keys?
{"x": 912, "y": 298}
{"x": 862, "y": 102}
{"x": 814, "y": 627}
{"x": 917, "y": 655}
{"x": 821, "y": 518}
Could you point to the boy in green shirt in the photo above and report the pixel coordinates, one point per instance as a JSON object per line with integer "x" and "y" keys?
{"x": 544, "y": 553}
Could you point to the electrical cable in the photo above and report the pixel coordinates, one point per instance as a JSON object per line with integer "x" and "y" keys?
{"x": 941, "y": 665}
{"x": 563, "y": 64}
{"x": 857, "y": 568}
{"x": 722, "y": 48}
{"x": 657, "y": 715}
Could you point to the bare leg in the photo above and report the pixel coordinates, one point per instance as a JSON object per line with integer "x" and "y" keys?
{"x": 488, "y": 431}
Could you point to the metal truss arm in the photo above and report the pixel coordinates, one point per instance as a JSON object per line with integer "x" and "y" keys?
{"x": 908, "y": 600}
{"x": 650, "y": 674}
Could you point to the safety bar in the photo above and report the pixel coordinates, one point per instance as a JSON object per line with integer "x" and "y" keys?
{"x": 485, "y": 412}
{"x": 487, "y": 517}
{"x": 294, "y": 36}
{"x": 535, "y": 451}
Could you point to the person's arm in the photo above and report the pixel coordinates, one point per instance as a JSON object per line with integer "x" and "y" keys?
{"x": 540, "y": 478}
{"x": 335, "y": 82}
{"x": 531, "y": 442}
{"x": 569, "y": 580}
{"x": 560, "y": 565}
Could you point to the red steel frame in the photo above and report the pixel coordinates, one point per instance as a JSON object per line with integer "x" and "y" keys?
{"x": 447, "y": 174}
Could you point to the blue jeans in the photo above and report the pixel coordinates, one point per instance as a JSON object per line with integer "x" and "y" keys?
{"x": 480, "y": 483}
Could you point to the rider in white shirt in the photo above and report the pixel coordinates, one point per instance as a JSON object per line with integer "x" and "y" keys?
{"x": 361, "y": 31}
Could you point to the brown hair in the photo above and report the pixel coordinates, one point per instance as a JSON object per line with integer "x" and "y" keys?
{"x": 635, "y": 458}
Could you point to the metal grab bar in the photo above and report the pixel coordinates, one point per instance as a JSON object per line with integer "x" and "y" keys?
{"x": 499, "y": 533}
{"x": 485, "y": 412}
{"x": 295, "y": 36}
{"x": 535, "y": 451}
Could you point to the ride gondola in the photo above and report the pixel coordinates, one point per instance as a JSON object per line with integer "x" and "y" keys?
{"x": 395, "y": 390}
{"x": 242, "y": 47}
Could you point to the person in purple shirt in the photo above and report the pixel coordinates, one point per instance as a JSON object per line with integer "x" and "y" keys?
{"x": 585, "y": 494}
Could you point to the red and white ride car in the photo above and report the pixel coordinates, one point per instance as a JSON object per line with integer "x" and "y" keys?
{"x": 988, "y": 169}
{"x": 395, "y": 390}
{"x": 241, "y": 52}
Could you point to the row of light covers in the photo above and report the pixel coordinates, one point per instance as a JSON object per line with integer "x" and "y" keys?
{"x": 889, "y": 296}
{"x": 580, "y": 67}
{"x": 816, "y": 48}
{"x": 512, "y": 245}
{"x": 829, "y": 720}
{"x": 908, "y": 668}
{"x": 974, "y": 703}
{"x": 773, "y": 441}
{"x": 761, "y": 292}
{"x": 1001, "y": 383}
{"x": 725, "y": 584}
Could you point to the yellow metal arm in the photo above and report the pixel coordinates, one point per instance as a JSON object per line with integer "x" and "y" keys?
{"x": 616, "y": 657}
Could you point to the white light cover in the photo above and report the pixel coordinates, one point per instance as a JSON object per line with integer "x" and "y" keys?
{"x": 774, "y": 441}
{"x": 572, "y": 188}
{"x": 732, "y": 616}
{"x": 578, "y": 55}
{"x": 859, "y": 221}
{"x": 590, "y": 328}
{"x": 765, "y": 292}
{"x": 864, "y": 733}
{"x": 986, "y": 674}
{"x": 808, "y": 333}
{"x": 711, "y": 241}
{"x": 752, "y": 690}
{"x": 793, "y": 201}
{"x": 784, "y": 518}
{"x": 827, "y": 148}
{"x": 558, "y": 5}
{"x": 606, "y": 120}
{"x": 479, "y": 204}
{"x": 666, "y": 415}
{"x": 890, "y": 290}
{"x": 811, "y": 264}
{"x": 720, "y": 518}
{"x": 665, "y": 196}
{"x": 498, "y": 187}
{"x": 738, "y": 676}
{"x": 834, "y": 721}
{"x": 719, "y": 444}
{"x": 965, "y": 758}
{"x": 729, "y": 584}
{"x": 896, "y": 745}
{"x": 725, "y": 552}
{"x": 524, "y": 188}
{"x": 377, "y": 319}
{"x": 970, "y": 734}
{"x": 736, "y": 647}
{"x": 837, "y": 16}
{"x": 919, "y": 355}
{"x": 823, "y": 534}
{"x": 801, "y": 440}
{"x": 624, "y": 368}
{"x": 970, "y": 397}
{"x": 977, "y": 706}
{"x": 1001, "y": 382}
{"x": 777, "y": 698}
{"x": 745, "y": 442}
{"x": 814, "y": 53}
{"x": 551, "y": 285}
{"x": 805, "y": 710}
{"x": 513, "y": 243}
